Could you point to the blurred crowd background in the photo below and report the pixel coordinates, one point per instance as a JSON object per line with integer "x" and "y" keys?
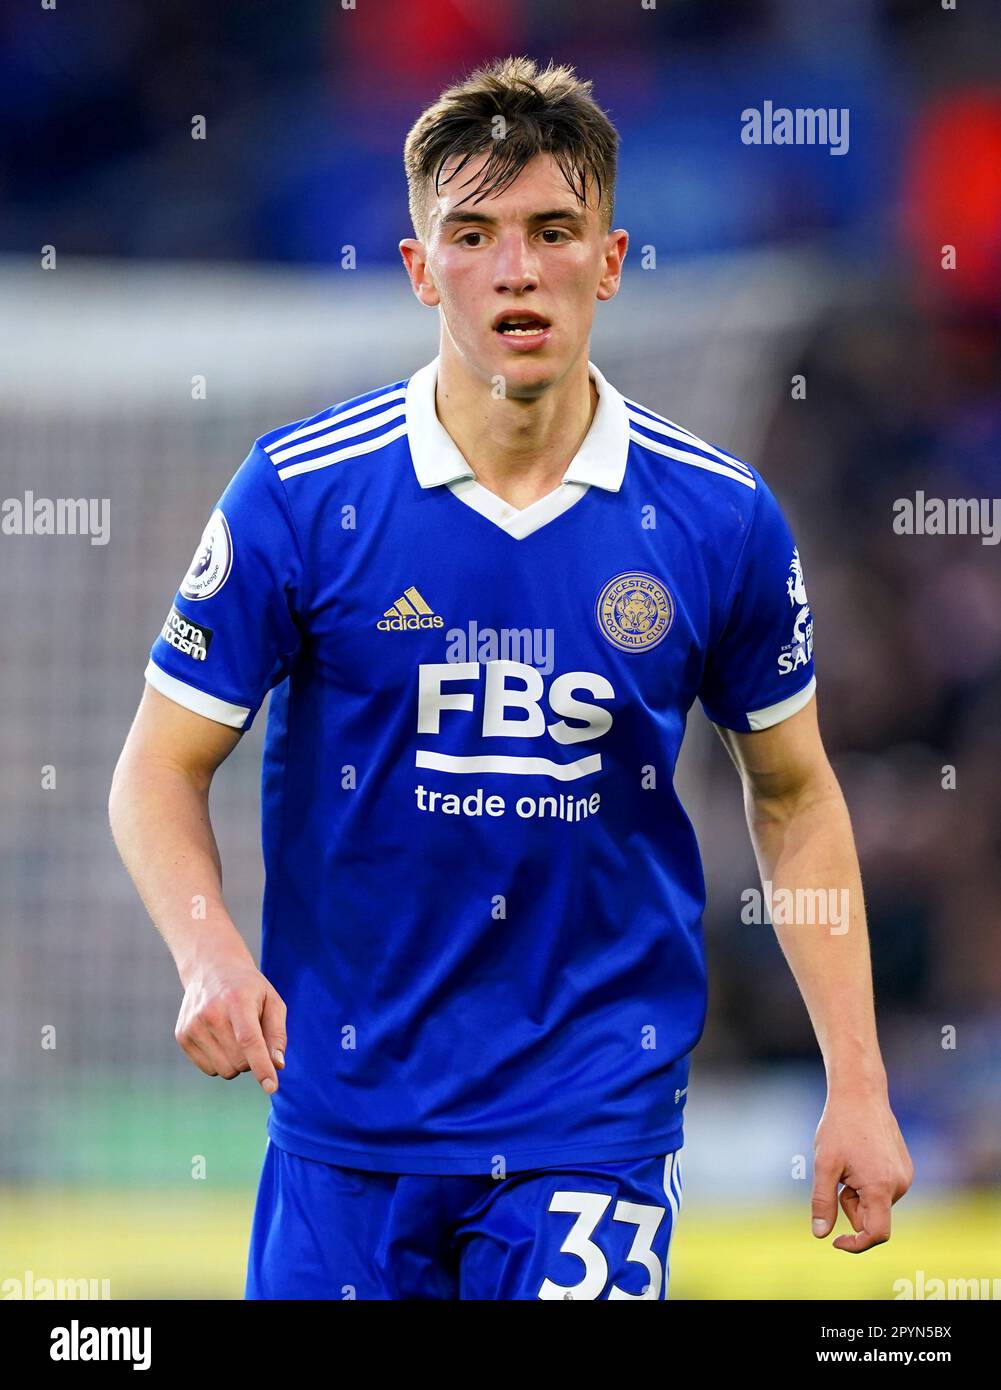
{"x": 224, "y": 256}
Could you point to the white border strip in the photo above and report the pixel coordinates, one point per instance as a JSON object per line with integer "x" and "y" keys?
{"x": 693, "y": 460}
{"x": 331, "y": 420}
{"x": 774, "y": 714}
{"x": 368, "y": 446}
{"x": 339, "y": 434}
{"x": 502, "y": 762}
{"x": 672, "y": 1190}
{"x": 661, "y": 425}
{"x": 518, "y": 523}
{"x": 195, "y": 700}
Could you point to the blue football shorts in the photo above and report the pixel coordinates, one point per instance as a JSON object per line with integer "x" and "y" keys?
{"x": 586, "y": 1231}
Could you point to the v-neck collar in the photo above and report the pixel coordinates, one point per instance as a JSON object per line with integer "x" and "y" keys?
{"x": 600, "y": 461}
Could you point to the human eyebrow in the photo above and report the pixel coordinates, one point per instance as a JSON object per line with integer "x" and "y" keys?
{"x": 569, "y": 215}
{"x": 459, "y": 218}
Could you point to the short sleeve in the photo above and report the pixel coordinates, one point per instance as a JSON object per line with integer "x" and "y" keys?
{"x": 234, "y": 627}
{"x": 759, "y": 670}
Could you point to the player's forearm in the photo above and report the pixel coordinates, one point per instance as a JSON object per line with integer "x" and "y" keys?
{"x": 805, "y": 842}
{"x": 160, "y": 822}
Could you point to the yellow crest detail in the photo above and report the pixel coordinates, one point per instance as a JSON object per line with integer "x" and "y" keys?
{"x": 635, "y": 611}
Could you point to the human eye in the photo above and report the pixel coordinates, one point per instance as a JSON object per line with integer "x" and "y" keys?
{"x": 560, "y": 232}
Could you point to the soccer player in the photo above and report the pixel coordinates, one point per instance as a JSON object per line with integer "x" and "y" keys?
{"x": 485, "y": 599}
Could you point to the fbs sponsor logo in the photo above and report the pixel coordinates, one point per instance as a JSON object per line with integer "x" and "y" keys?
{"x": 190, "y": 639}
{"x": 410, "y": 612}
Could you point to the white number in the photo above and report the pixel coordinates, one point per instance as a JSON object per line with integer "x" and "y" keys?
{"x": 647, "y": 1221}
{"x": 590, "y": 1208}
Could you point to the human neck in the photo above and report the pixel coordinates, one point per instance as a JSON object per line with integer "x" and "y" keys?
{"x": 518, "y": 449}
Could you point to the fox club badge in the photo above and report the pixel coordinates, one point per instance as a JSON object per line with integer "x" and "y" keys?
{"x": 635, "y": 611}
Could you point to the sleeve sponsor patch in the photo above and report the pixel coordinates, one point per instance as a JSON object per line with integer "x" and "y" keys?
{"x": 799, "y": 651}
{"x": 190, "y": 639}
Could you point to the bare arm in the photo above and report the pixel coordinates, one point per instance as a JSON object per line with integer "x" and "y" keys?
{"x": 802, "y": 838}
{"x": 231, "y": 1018}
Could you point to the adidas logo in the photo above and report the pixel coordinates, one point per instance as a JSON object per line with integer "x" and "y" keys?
{"x": 410, "y": 611}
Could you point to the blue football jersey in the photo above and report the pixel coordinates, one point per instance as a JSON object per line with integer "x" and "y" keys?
{"x": 483, "y": 897}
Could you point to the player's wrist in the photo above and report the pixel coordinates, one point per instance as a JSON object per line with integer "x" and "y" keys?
{"x": 857, "y": 1076}
{"x": 218, "y": 950}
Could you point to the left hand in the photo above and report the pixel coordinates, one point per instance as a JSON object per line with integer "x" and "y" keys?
{"x": 858, "y": 1143}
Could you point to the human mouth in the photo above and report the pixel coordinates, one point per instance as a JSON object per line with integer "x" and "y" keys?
{"x": 525, "y": 329}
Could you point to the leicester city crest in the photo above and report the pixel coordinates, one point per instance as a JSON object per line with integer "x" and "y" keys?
{"x": 635, "y": 611}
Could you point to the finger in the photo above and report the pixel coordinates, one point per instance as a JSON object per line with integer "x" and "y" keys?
{"x": 195, "y": 1054}
{"x": 874, "y": 1204}
{"x": 273, "y": 1026}
{"x": 850, "y": 1206}
{"x": 225, "y": 1046}
{"x": 250, "y": 1040}
{"x": 220, "y": 1056}
{"x": 824, "y": 1203}
{"x": 194, "y": 1051}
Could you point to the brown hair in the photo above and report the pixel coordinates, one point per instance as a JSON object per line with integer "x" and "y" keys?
{"x": 548, "y": 112}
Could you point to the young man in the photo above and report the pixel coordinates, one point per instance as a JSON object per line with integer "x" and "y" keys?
{"x": 486, "y": 598}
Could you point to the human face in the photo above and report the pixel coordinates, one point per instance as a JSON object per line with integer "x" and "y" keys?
{"x": 530, "y": 253}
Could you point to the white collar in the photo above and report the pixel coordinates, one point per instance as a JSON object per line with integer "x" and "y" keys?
{"x": 601, "y": 458}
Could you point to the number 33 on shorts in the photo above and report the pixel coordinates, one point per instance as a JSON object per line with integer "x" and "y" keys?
{"x": 617, "y": 1246}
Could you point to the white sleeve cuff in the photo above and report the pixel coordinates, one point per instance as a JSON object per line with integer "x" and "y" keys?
{"x": 196, "y": 700}
{"x": 774, "y": 714}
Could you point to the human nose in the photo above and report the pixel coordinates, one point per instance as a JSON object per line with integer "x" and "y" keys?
{"x": 516, "y": 268}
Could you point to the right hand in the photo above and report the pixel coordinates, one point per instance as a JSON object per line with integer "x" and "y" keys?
{"x": 233, "y": 1020}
